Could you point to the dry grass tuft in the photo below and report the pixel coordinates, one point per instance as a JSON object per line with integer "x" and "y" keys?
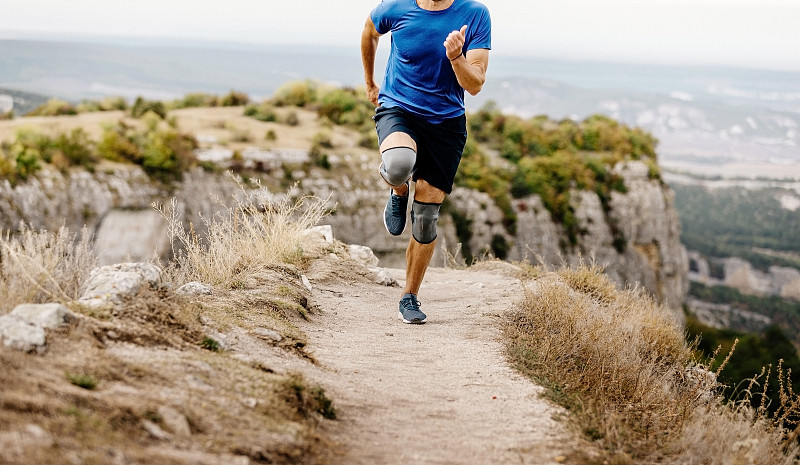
{"x": 258, "y": 232}
{"x": 42, "y": 266}
{"x": 619, "y": 362}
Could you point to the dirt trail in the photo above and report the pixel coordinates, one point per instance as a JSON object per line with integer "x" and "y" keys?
{"x": 439, "y": 393}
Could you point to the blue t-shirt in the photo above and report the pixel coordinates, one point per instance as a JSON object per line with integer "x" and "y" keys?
{"x": 419, "y": 77}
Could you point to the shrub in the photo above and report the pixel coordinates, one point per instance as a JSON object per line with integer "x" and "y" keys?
{"x": 292, "y": 119}
{"x": 42, "y": 266}
{"x": 75, "y": 149}
{"x": 54, "y": 107}
{"x": 119, "y": 143}
{"x": 234, "y": 99}
{"x": 84, "y": 381}
{"x": 297, "y": 94}
{"x": 141, "y": 107}
{"x": 196, "y": 100}
{"x": 7, "y": 115}
{"x": 107, "y": 104}
{"x": 167, "y": 154}
{"x": 262, "y": 112}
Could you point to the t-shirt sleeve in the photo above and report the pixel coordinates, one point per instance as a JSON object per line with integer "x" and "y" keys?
{"x": 382, "y": 16}
{"x": 481, "y": 31}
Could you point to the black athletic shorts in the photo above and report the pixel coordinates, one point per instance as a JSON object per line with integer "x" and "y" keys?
{"x": 439, "y": 146}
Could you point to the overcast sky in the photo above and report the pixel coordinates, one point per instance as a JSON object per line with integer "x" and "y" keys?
{"x": 755, "y": 33}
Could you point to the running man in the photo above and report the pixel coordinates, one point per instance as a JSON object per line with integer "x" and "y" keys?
{"x": 440, "y": 48}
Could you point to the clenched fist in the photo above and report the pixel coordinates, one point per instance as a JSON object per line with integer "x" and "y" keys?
{"x": 454, "y": 44}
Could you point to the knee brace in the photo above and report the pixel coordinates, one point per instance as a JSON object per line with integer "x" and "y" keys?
{"x": 423, "y": 221}
{"x": 398, "y": 165}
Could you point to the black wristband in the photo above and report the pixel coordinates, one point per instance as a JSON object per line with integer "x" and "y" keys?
{"x": 456, "y": 58}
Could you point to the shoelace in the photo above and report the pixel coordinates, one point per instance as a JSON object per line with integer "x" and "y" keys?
{"x": 415, "y": 304}
{"x": 396, "y": 205}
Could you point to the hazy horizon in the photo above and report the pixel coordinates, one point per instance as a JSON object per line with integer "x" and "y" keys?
{"x": 736, "y": 33}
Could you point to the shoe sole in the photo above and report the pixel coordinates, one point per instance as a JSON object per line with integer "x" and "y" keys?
{"x": 415, "y": 322}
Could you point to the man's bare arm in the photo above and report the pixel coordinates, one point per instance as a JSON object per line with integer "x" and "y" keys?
{"x": 471, "y": 68}
{"x": 369, "y": 47}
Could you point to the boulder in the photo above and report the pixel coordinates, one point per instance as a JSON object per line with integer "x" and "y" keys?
{"x": 18, "y": 334}
{"x": 194, "y": 288}
{"x": 175, "y": 421}
{"x": 47, "y": 316}
{"x": 110, "y": 285}
{"x": 363, "y": 254}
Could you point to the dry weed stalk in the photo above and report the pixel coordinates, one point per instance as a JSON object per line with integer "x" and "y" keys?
{"x": 619, "y": 361}
{"x": 256, "y": 232}
{"x": 43, "y": 266}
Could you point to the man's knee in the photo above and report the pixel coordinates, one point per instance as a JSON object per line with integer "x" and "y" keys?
{"x": 424, "y": 217}
{"x": 398, "y": 165}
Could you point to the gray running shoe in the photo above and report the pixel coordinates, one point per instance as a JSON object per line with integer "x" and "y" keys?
{"x": 409, "y": 310}
{"x": 394, "y": 215}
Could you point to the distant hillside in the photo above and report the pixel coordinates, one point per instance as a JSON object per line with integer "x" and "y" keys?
{"x": 23, "y": 102}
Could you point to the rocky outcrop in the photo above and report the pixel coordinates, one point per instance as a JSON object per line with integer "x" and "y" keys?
{"x": 741, "y": 275}
{"x": 116, "y": 206}
{"x": 644, "y": 218}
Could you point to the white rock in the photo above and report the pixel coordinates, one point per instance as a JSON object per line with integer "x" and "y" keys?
{"x": 109, "y": 285}
{"x": 155, "y": 430}
{"x": 382, "y": 277}
{"x": 175, "y": 421}
{"x": 194, "y": 288}
{"x": 269, "y": 334}
{"x": 50, "y": 315}
{"x": 363, "y": 254}
{"x": 326, "y": 231}
{"x": 18, "y": 334}
{"x": 15, "y": 444}
{"x": 306, "y": 282}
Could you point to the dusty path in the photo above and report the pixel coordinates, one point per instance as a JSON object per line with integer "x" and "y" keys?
{"x": 439, "y": 393}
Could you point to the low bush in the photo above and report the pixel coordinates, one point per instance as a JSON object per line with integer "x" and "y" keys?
{"x": 107, "y": 104}
{"x": 141, "y": 107}
{"x": 195, "y": 100}
{"x": 296, "y": 94}
{"x": 163, "y": 153}
{"x": 234, "y": 99}
{"x": 636, "y": 390}
{"x": 265, "y": 111}
{"x": 73, "y": 149}
{"x": 54, "y": 107}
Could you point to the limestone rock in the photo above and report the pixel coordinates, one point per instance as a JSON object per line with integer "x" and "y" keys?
{"x": 110, "y": 285}
{"x": 382, "y": 277}
{"x": 363, "y": 254}
{"x": 175, "y": 421}
{"x": 267, "y": 334}
{"x": 15, "y": 444}
{"x": 194, "y": 288}
{"x": 156, "y": 431}
{"x": 131, "y": 234}
{"x": 18, "y": 334}
{"x": 306, "y": 283}
{"x": 325, "y": 232}
{"x": 47, "y": 316}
